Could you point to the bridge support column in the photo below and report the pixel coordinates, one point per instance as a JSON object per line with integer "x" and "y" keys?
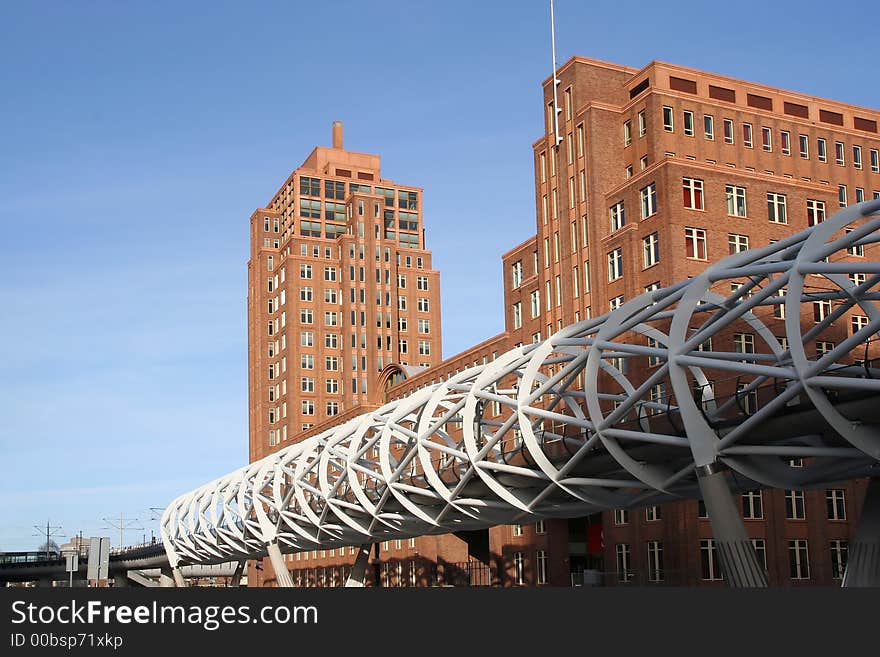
{"x": 282, "y": 575}
{"x": 235, "y": 580}
{"x": 863, "y": 564}
{"x": 179, "y": 580}
{"x": 166, "y": 579}
{"x": 738, "y": 559}
{"x": 358, "y": 575}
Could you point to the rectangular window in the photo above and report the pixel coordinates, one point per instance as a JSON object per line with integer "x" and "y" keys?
{"x": 667, "y": 119}
{"x": 839, "y": 153}
{"x": 615, "y": 264}
{"x": 621, "y": 516}
{"x": 753, "y": 505}
{"x": 711, "y": 568}
{"x": 517, "y": 273}
{"x": 821, "y": 151}
{"x": 518, "y": 568}
{"x": 615, "y": 303}
{"x": 627, "y": 133}
{"x": 651, "y": 250}
{"x": 835, "y": 499}
{"x": 794, "y": 505}
{"x": 821, "y": 309}
{"x": 785, "y": 142}
{"x": 736, "y": 201}
{"x": 649, "y": 200}
{"x": 708, "y": 127}
{"x": 747, "y": 135}
{"x": 841, "y": 196}
{"x": 624, "y": 572}
{"x": 804, "y": 146}
{"x": 737, "y": 243}
{"x": 728, "y": 131}
{"x": 860, "y": 194}
{"x": 857, "y": 157}
{"x": 692, "y": 189}
{"x": 815, "y": 212}
{"x": 643, "y": 127}
{"x": 688, "y": 123}
{"x": 839, "y": 554}
{"x": 875, "y": 161}
{"x": 695, "y": 243}
{"x": 767, "y": 139}
{"x": 653, "y": 513}
{"x": 655, "y": 561}
{"x": 799, "y": 559}
{"x": 776, "y": 208}
{"x": 618, "y": 216}
{"x": 541, "y": 563}
{"x": 517, "y": 315}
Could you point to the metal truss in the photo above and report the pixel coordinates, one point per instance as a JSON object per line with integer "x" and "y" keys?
{"x": 644, "y": 405}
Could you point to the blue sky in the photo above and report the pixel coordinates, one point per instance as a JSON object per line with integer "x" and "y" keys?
{"x": 136, "y": 139}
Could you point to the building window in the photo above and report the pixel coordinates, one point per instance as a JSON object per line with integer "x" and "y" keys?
{"x": 821, "y": 310}
{"x": 618, "y": 216}
{"x": 655, "y": 561}
{"x": 839, "y": 153}
{"x": 652, "y": 513}
{"x": 875, "y": 161}
{"x": 736, "y": 201}
{"x": 621, "y": 516}
{"x": 835, "y": 499}
{"x": 815, "y": 212}
{"x": 794, "y": 505}
{"x": 643, "y": 128}
{"x": 517, "y": 315}
{"x": 535, "y": 298}
{"x": 760, "y": 548}
{"x": 518, "y": 568}
{"x": 422, "y": 283}
{"x": 667, "y": 119}
{"x": 747, "y": 135}
{"x": 841, "y": 196}
{"x": 839, "y": 553}
{"x": 728, "y": 131}
{"x": 744, "y": 343}
{"x": 688, "y": 123}
{"x": 767, "y": 139}
{"x": 649, "y": 200}
{"x": 651, "y": 250}
{"x": 821, "y": 151}
{"x": 737, "y": 243}
{"x": 753, "y": 505}
{"x": 517, "y": 271}
{"x": 708, "y": 127}
{"x": 692, "y": 189}
{"x": 627, "y": 133}
{"x": 785, "y": 142}
{"x": 540, "y": 527}
{"x": 624, "y": 572}
{"x": 857, "y": 157}
{"x": 308, "y": 407}
{"x": 799, "y": 559}
{"x": 776, "y": 208}
{"x": 424, "y": 348}
{"x": 615, "y": 303}
{"x": 695, "y": 243}
{"x": 858, "y": 322}
{"x": 615, "y": 264}
{"x": 541, "y": 562}
{"x": 711, "y": 568}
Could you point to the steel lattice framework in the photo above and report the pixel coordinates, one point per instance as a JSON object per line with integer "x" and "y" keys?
{"x": 616, "y": 411}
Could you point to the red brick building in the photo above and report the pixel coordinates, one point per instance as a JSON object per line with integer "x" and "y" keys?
{"x": 654, "y": 173}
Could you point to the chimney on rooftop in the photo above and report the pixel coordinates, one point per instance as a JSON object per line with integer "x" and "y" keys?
{"x": 337, "y": 134}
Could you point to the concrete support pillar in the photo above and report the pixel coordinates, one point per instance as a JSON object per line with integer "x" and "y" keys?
{"x": 179, "y": 580}
{"x": 863, "y": 563}
{"x": 735, "y": 551}
{"x": 166, "y": 579}
{"x": 358, "y": 575}
{"x": 235, "y": 580}
{"x": 282, "y": 575}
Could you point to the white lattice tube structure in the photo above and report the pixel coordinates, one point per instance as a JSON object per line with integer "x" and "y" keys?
{"x": 618, "y": 411}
